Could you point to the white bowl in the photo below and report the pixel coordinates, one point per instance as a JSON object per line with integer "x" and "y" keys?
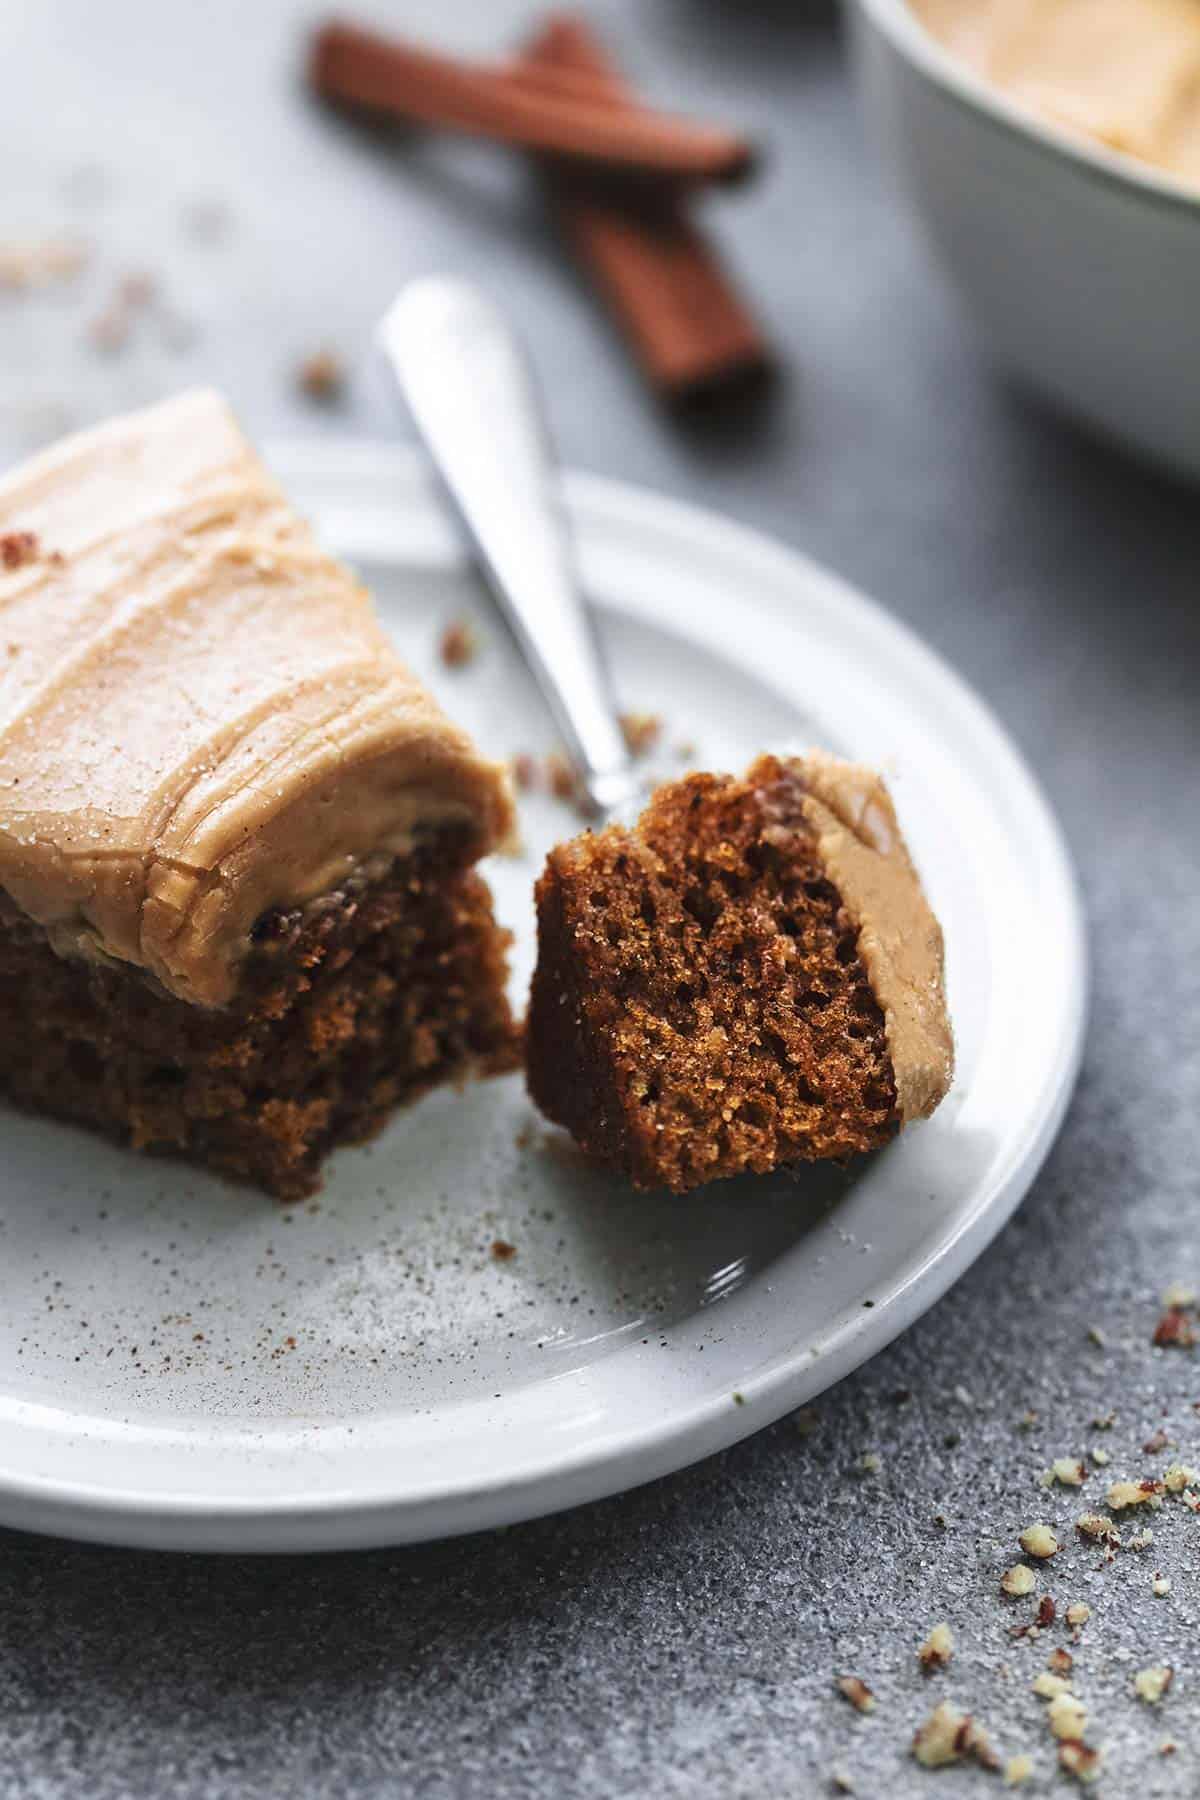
{"x": 1079, "y": 267}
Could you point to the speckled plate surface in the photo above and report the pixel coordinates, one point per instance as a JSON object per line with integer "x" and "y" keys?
{"x": 186, "y": 1364}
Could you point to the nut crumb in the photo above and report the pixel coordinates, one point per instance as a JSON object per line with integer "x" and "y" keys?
{"x": 1017, "y": 1769}
{"x": 1168, "y": 1747}
{"x": 1156, "y": 1443}
{"x": 840, "y": 1782}
{"x": 1179, "y": 1297}
{"x": 1060, "y": 1662}
{"x": 1104, "y": 1421}
{"x": 1174, "y": 1330}
{"x": 1161, "y": 1586}
{"x": 857, "y": 1693}
{"x": 502, "y": 1250}
{"x": 1039, "y": 1541}
{"x": 806, "y": 1419}
{"x": 458, "y": 644}
{"x": 948, "y": 1736}
{"x": 1018, "y": 1580}
{"x": 1180, "y": 1476}
{"x": 937, "y": 1649}
{"x": 1080, "y": 1760}
{"x": 1142, "y": 1540}
{"x": 1097, "y": 1337}
{"x": 1100, "y": 1457}
{"x": 1098, "y": 1528}
{"x": 869, "y": 1463}
{"x": 1078, "y": 1613}
{"x": 321, "y": 375}
{"x": 1152, "y": 1684}
{"x": 1067, "y": 1716}
{"x": 35, "y": 265}
{"x": 1123, "y": 1494}
{"x": 1048, "y": 1686}
{"x": 1068, "y": 1471}
{"x": 1027, "y": 1421}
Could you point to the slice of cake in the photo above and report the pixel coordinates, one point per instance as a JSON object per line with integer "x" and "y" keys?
{"x": 750, "y": 978}
{"x": 238, "y": 914}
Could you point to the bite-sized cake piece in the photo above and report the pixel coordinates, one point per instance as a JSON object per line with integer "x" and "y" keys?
{"x": 238, "y": 914}
{"x": 749, "y": 978}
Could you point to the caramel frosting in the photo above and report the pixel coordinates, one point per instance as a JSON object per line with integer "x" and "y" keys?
{"x": 201, "y": 718}
{"x": 1126, "y": 72}
{"x": 850, "y": 813}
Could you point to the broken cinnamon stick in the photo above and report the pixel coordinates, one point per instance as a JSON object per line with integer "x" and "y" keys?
{"x": 690, "y": 330}
{"x": 575, "y": 119}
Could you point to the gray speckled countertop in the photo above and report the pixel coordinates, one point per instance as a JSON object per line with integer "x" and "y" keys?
{"x": 681, "y": 1640}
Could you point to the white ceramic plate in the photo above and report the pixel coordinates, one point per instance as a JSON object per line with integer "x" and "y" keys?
{"x": 186, "y": 1364}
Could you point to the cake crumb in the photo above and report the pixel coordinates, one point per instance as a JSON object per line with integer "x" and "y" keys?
{"x": 1039, "y": 1541}
{"x": 1018, "y": 1580}
{"x": 321, "y": 375}
{"x": 641, "y": 731}
{"x": 937, "y": 1649}
{"x": 1141, "y": 1540}
{"x": 18, "y": 548}
{"x": 1152, "y": 1684}
{"x": 1078, "y": 1613}
{"x": 1048, "y": 1686}
{"x": 524, "y": 771}
{"x": 458, "y": 644}
{"x": 857, "y": 1693}
{"x": 1080, "y": 1760}
{"x": 560, "y": 777}
{"x": 1180, "y": 1476}
{"x": 136, "y": 289}
{"x": 109, "y": 330}
{"x": 1017, "y": 1769}
{"x": 502, "y": 1250}
{"x": 1097, "y": 1527}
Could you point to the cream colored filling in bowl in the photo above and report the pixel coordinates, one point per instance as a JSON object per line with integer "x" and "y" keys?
{"x": 1124, "y": 72}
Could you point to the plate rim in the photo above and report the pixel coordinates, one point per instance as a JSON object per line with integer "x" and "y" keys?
{"x": 616, "y": 1462}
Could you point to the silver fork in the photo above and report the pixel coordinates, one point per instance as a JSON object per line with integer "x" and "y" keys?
{"x": 472, "y": 396}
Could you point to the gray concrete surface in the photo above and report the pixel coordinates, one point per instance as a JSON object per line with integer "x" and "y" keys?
{"x": 682, "y": 1640}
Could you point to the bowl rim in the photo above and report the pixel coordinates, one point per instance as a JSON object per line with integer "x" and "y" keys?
{"x": 897, "y": 21}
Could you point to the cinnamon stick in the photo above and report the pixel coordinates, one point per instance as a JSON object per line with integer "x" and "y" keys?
{"x": 690, "y": 330}
{"x": 581, "y": 121}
